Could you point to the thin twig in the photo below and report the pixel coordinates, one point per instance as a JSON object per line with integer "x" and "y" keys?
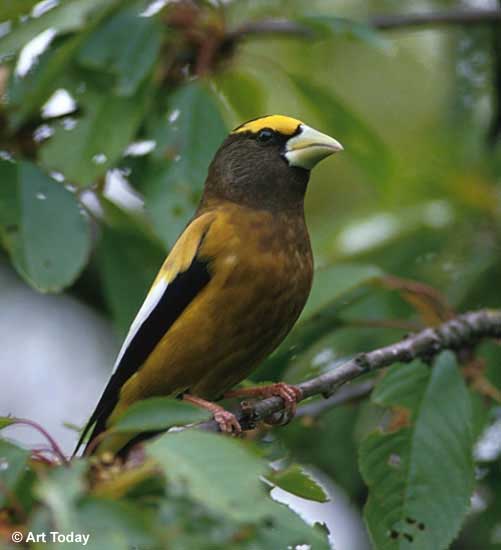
{"x": 271, "y": 27}
{"x": 458, "y": 333}
{"x": 436, "y": 18}
{"x": 287, "y": 27}
{"x": 56, "y": 449}
{"x": 344, "y": 395}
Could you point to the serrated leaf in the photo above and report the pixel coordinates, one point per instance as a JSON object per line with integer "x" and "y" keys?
{"x": 432, "y": 456}
{"x": 125, "y": 45}
{"x": 296, "y": 481}
{"x": 67, "y": 16}
{"x": 48, "y": 237}
{"x": 159, "y": 413}
{"x": 359, "y": 140}
{"x": 189, "y": 137}
{"x": 13, "y": 462}
{"x": 108, "y": 124}
{"x": 219, "y": 472}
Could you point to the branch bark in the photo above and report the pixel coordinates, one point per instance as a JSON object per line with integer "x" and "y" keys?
{"x": 462, "y": 17}
{"x": 461, "y": 332}
{"x": 438, "y": 18}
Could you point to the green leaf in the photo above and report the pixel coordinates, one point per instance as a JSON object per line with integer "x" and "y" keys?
{"x": 333, "y": 283}
{"x": 286, "y": 530}
{"x": 9, "y": 200}
{"x": 189, "y": 525}
{"x": 67, "y": 16}
{"x": 13, "y": 8}
{"x": 128, "y": 260}
{"x": 125, "y": 45}
{"x": 189, "y": 137}
{"x": 6, "y": 421}
{"x": 243, "y": 92}
{"x": 327, "y": 26}
{"x": 169, "y": 202}
{"x": 219, "y": 472}
{"x": 159, "y": 413}
{"x": 421, "y": 477}
{"x": 13, "y": 462}
{"x": 117, "y": 525}
{"x": 108, "y": 124}
{"x": 48, "y": 235}
{"x": 59, "y": 490}
{"x": 360, "y": 142}
{"x": 310, "y": 441}
{"x": 28, "y": 93}
{"x": 296, "y": 481}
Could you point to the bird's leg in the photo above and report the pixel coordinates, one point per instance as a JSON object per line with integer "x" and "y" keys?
{"x": 290, "y": 395}
{"x": 226, "y": 420}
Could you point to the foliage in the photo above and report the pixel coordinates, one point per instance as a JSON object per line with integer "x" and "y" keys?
{"x": 137, "y": 96}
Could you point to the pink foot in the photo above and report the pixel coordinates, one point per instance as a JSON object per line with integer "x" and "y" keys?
{"x": 227, "y": 422}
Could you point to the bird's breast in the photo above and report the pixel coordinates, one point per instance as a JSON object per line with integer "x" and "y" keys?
{"x": 262, "y": 274}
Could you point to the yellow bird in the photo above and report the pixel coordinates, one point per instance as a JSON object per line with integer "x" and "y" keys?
{"x": 232, "y": 286}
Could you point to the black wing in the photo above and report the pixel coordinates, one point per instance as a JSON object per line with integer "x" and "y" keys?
{"x": 176, "y": 296}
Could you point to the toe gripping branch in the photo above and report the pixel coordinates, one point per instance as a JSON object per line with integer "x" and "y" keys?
{"x": 228, "y": 422}
{"x": 288, "y": 393}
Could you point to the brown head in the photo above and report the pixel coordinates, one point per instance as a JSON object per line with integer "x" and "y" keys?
{"x": 265, "y": 163}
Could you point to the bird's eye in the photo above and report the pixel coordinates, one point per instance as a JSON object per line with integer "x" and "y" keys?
{"x": 265, "y": 135}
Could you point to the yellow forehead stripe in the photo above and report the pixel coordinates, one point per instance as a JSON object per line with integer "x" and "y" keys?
{"x": 279, "y": 123}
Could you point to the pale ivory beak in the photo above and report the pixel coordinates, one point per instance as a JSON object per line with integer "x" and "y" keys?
{"x": 309, "y": 147}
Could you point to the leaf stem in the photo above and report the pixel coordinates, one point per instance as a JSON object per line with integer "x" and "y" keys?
{"x": 52, "y": 442}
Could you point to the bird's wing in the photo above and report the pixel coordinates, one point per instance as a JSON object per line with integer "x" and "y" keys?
{"x": 182, "y": 276}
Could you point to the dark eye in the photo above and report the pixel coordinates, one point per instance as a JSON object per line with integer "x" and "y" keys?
{"x": 265, "y": 135}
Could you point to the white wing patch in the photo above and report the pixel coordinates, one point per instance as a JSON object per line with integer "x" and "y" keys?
{"x": 150, "y": 303}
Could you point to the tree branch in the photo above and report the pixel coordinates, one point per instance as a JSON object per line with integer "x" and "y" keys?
{"x": 382, "y": 22}
{"x": 344, "y": 395}
{"x": 437, "y": 18}
{"x": 269, "y": 26}
{"x": 461, "y": 332}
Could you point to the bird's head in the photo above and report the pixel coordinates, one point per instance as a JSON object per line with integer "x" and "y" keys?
{"x": 266, "y": 162}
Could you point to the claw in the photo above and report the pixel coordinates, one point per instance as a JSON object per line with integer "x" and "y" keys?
{"x": 227, "y": 422}
{"x": 288, "y": 393}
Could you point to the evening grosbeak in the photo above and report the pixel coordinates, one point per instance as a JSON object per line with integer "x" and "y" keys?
{"x": 232, "y": 286}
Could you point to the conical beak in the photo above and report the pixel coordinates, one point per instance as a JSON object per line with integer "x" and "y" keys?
{"x": 309, "y": 147}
